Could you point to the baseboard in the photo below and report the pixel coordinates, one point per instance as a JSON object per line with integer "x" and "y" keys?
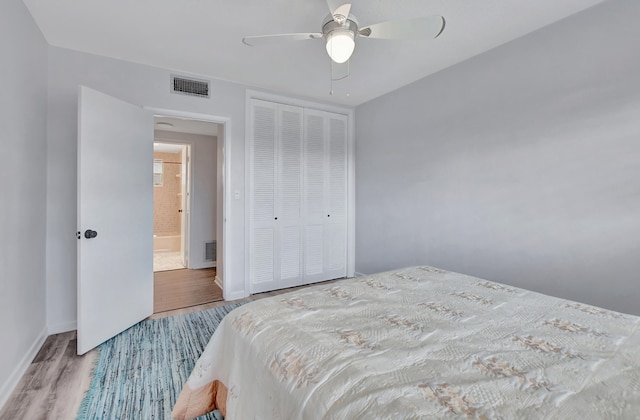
{"x": 202, "y": 265}
{"x": 11, "y": 383}
{"x": 233, "y": 296}
{"x": 218, "y": 282}
{"x": 359, "y": 274}
{"x": 62, "y": 327}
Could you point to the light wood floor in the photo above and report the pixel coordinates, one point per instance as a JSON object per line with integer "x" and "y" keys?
{"x": 177, "y": 289}
{"x": 57, "y": 379}
{"x": 54, "y": 384}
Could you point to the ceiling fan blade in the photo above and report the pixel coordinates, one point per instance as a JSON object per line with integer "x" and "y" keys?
{"x": 339, "y": 71}
{"x": 419, "y": 28}
{"x": 259, "y": 40}
{"x": 340, "y": 12}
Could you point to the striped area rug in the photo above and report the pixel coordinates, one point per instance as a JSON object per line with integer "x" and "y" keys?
{"x": 140, "y": 372}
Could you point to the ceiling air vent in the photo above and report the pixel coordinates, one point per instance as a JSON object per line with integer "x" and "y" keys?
{"x": 192, "y": 87}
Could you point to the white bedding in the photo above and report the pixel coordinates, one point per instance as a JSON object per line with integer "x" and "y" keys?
{"x": 421, "y": 343}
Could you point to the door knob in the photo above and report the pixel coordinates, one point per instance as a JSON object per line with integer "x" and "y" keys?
{"x": 90, "y": 233}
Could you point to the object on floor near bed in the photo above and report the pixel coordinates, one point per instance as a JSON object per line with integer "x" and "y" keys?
{"x": 418, "y": 342}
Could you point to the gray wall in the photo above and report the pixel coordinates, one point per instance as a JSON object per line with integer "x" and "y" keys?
{"x": 23, "y": 177}
{"x": 204, "y": 162}
{"x": 521, "y": 165}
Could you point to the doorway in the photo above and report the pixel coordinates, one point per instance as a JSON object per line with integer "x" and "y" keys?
{"x": 170, "y": 222}
{"x": 187, "y": 177}
{"x": 117, "y": 204}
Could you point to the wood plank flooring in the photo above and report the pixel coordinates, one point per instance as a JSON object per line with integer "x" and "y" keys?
{"x": 177, "y": 289}
{"x": 55, "y": 383}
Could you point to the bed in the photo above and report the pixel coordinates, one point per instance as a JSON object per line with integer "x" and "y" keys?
{"x": 418, "y": 342}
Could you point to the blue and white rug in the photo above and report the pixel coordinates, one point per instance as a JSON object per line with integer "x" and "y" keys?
{"x": 140, "y": 372}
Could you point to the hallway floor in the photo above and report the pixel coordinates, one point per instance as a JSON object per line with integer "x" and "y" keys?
{"x": 177, "y": 289}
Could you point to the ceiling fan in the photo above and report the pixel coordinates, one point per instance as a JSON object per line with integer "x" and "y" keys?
{"x": 340, "y": 30}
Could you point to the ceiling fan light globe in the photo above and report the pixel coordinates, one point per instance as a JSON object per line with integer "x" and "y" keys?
{"x": 340, "y": 45}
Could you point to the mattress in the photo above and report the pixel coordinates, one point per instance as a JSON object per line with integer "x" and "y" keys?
{"x": 419, "y": 342}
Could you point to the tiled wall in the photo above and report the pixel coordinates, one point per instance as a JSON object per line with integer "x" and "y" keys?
{"x": 167, "y": 198}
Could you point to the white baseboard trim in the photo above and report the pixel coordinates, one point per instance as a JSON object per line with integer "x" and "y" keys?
{"x": 234, "y": 296}
{"x": 359, "y": 274}
{"x": 218, "y": 282}
{"x": 62, "y": 327}
{"x": 201, "y": 265}
{"x": 11, "y": 383}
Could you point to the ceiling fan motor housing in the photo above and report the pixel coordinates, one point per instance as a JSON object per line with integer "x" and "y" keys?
{"x": 329, "y": 25}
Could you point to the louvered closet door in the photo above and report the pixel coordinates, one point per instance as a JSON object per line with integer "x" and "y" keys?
{"x": 262, "y": 195}
{"x": 314, "y": 195}
{"x": 335, "y": 223}
{"x": 289, "y": 197}
{"x": 298, "y": 196}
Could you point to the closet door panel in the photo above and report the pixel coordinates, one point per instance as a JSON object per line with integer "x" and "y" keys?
{"x": 262, "y": 260}
{"x": 290, "y": 256}
{"x": 314, "y": 166}
{"x": 262, "y": 196}
{"x": 289, "y": 199}
{"x": 313, "y": 253}
{"x": 314, "y": 194}
{"x": 337, "y": 167}
{"x": 336, "y": 197}
{"x": 263, "y": 163}
{"x": 335, "y": 250}
{"x": 290, "y": 164}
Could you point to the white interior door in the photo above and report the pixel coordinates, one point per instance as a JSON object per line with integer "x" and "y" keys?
{"x": 115, "y": 200}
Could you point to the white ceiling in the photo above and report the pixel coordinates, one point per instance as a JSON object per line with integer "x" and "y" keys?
{"x": 204, "y": 38}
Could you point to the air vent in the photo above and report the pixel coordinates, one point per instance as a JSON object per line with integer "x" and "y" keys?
{"x": 192, "y": 87}
{"x": 210, "y": 251}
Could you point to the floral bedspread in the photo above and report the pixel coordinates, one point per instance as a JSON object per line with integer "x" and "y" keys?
{"x": 419, "y": 343}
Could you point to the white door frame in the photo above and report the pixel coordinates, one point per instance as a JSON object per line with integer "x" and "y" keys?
{"x": 185, "y": 220}
{"x": 226, "y": 176}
